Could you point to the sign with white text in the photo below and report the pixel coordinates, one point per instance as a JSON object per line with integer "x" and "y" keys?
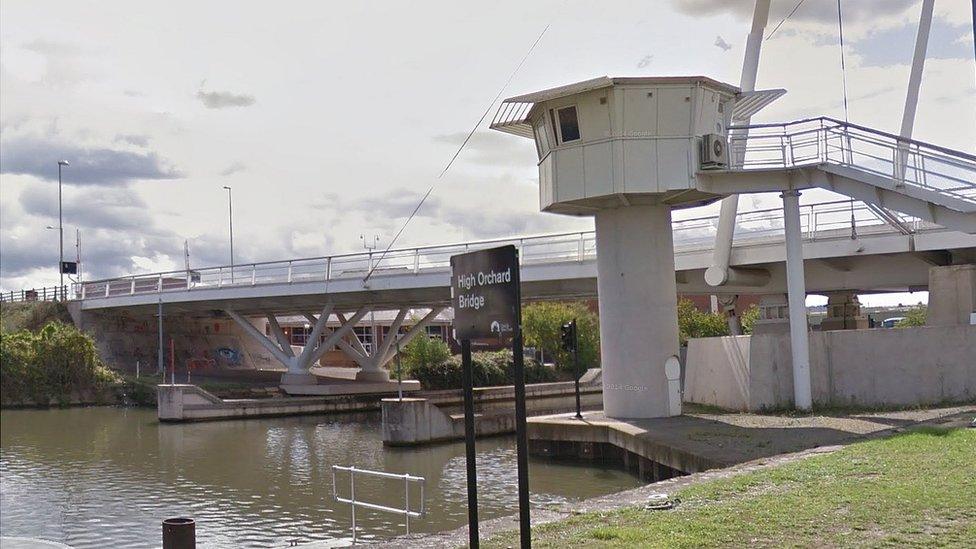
{"x": 484, "y": 293}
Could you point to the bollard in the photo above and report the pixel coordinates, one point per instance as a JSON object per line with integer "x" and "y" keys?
{"x": 179, "y": 533}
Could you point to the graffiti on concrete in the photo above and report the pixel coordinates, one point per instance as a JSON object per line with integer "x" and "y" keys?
{"x": 228, "y": 357}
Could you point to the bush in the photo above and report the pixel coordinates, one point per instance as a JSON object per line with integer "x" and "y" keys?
{"x": 916, "y": 316}
{"x": 541, "y": 324}
{"x": 695, "y": 323}
{"x": 423, "y": 352}
{"x": 749, "y": 318}
{"x": 489, "y": 369}
{"x": 56, "y": 363}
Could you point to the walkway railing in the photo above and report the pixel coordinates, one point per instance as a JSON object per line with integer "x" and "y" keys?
{"x": 819, "y": 221}
{"x": 906, "y": 162}
{"x": 351, "y": 500}
{"x": 51, "y": 293}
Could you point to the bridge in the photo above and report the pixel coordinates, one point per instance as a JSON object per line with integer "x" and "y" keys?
{"x": 913, "y": 206}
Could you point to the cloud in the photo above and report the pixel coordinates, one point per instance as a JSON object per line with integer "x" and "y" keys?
{"x": 815, "y": 11}
{"x": 235, "y": 167}
{"x": 133, "y": 139}
{"x": 896, "y": 45}
{"x": 222, "y": 100}
{"x": 492, "y": 148}
{"x": 721, "y": 43}
{"x": 89, "y": 166}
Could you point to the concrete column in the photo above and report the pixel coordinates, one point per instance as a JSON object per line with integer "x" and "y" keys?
{"x": 797, "y": 296}
{"x": 774, "y": 315}
{"x": 638, "y": 309}
{"x": 952, "y": 295}
{"x": 844, "y": 312}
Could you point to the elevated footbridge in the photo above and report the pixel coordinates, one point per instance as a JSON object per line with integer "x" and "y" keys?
{"x": 881, "y": 257}
{"x": 894, "y": 176}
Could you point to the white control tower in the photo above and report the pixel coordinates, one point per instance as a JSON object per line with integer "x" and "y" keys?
{"x": 626, "y": 151}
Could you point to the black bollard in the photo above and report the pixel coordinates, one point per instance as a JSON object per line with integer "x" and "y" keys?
{"x": 179, "y": 533}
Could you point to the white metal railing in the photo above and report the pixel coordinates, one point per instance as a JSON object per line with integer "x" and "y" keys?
{"x": 819, "y": 221}
{"x": 826, "y": 140}
{"x": 353, "y": 502}
{"x": 50, "y": 293}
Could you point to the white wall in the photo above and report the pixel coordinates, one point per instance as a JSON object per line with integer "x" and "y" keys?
{"x": 894, "y": 367}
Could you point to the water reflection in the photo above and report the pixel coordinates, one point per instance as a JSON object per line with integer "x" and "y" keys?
{"x": 101, "y": 477}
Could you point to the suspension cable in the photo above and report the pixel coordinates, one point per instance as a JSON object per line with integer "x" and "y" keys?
{"x": 458, "y": 152}
{"x": 780, "y": 24}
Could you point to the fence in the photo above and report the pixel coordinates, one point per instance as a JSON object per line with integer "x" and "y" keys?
{"x": 351, "y": 500}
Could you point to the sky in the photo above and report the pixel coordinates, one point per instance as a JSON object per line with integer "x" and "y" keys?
{"x": 329, "y": 120}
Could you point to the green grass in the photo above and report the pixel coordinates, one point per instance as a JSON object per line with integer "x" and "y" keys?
{"x": 917, "y": 488}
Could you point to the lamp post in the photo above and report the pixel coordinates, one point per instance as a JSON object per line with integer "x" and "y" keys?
{"x": 230, "y": 217}
{"x": 61, "y": 163}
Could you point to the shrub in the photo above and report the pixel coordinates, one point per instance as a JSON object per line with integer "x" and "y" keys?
{"x": 423, "y": 351}
{"x": 541, "y": 322}
{"x": 916, "y": 316}
{"x": 695, "y": 323}
{"x": 55, "y": 363}
{"x": 749, "y": 318}
{"x": 489, "y": 369}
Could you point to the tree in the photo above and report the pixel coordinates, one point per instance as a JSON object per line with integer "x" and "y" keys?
{"x": 915, "y": 316}
{"x": 540, "y": 328}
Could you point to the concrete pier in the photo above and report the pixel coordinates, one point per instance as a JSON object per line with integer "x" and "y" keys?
{"x": 638, "y": 309}
{"x": 439, "y": 415}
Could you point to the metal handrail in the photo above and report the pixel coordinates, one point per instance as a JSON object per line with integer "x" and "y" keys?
{"x": 46, "y": 293}
{"x": 825, "y": 140}
{"x": 691, "y": 235}
{"x": 405, "y": 511}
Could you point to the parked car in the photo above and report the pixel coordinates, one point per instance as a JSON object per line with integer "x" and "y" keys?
{"x": 890, "y": 322}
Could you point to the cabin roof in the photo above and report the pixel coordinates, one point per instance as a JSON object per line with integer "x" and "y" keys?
{"x": 513, "y": 113}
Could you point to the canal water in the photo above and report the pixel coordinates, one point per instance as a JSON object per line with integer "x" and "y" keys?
{"x": 106, "y": 477}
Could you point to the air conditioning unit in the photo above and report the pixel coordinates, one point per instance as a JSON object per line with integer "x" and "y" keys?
{"x": 714, "y": 152}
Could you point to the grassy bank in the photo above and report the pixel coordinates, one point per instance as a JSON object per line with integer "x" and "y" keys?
{"x": 914, "y": 489}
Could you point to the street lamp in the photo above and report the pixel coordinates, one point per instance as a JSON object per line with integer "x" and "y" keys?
{"x": 61, "y": 164}
{"x": 230, "y": 216}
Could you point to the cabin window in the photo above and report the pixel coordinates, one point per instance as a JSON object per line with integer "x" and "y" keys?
{"x": 542, "y": 144}
{"x": 566, "y": 123}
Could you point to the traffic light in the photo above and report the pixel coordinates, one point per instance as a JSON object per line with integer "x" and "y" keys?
{"x": 567, "y": 333}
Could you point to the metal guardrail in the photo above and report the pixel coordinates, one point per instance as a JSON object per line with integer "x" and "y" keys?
{"x": 819, "y": 221}
{"x": 826, "y": 140}
{"x": 405, "y": 511}
{"x": 50, "y": 293}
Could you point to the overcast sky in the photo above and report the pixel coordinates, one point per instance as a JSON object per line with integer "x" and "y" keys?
{"x": 330, "y": 119}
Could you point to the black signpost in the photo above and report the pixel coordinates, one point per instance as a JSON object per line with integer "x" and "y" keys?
{"x": 487, "y": 299}
{"x": 570, "y": 340}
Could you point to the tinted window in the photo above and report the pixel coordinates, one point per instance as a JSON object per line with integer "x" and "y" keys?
{"x": 568, "y": 124}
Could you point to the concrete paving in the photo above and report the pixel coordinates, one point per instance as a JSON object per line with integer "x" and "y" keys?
{"x": 820, "y": 430}
{"x": 696, "y": 442}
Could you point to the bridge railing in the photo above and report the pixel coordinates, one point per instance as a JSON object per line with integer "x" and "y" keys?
{"x": 49, "y": 293}
{"x": 825, "y": 140}
{"x": 693, "y": 234}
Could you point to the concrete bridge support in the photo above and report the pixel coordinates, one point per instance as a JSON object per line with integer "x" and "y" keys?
{"x": 638, "y": 309}
{"x": 952, "y": 295}
{"x": 280, "y": 349}
{"x": 372, "y": 363}
{"x": 844, "y": 312}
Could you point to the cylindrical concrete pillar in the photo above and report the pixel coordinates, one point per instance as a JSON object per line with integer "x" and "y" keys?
{"x": 796, "y": 296}
{"x": 638, "y": 309}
